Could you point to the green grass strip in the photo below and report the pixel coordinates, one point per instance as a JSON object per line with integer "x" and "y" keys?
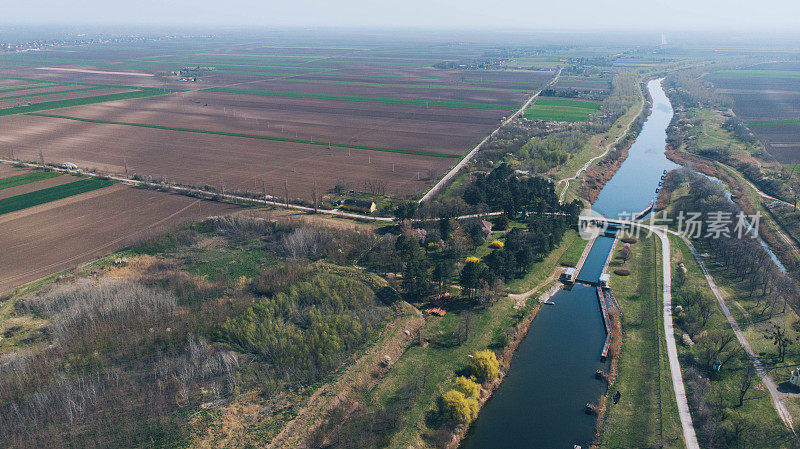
{"x": 585, "y": 82}
{"x": 421, "y": 86}
{"x": 595, "y": 106}
{"x": 26, "y": 178}
{"x": 108, "y": 86}
{"x": 58, "y": 104}
{"x": 50, "y": 194}
{"x": 250, "y": 136}
{"x": 44, "y": 94}
{"x": 558, "y": 114}
{"x": 409, "y": 101}
{"x": 756, "y": 73}
{"x": 772, "y": 122}
{"x": 26, "y": 86}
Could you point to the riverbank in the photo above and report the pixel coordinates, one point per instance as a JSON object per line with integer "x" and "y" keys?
{"x": 714, "y": 395}
{"x": 778, "y": 238}
{"x": 596, "y": 176}
{"x": 504, "y": 358}
{"x": 646, "y": 414}
{"x": 598, "y": 146}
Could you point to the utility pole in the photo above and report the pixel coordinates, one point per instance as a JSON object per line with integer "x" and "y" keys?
{"x": 41, "y": 158}
{"x": 125, "y": 163}
{"x": 314, "y": 194}
{"x": 286, "y": 191}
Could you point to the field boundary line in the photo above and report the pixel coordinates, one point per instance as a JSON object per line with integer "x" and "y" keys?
{"x": 442, "y": 182}
{"x": 363, "y": 98}
{"x": 247, "y": 136}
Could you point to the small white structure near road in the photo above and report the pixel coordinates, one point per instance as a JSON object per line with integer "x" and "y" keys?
{"x": 568, "y": 276}
{"x": 794, "y": 377}
{"x": 604, "y": 278}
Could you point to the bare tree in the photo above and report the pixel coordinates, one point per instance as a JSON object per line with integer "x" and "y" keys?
{"x": 779, "y": 338}
{"x": 747, "y": 381}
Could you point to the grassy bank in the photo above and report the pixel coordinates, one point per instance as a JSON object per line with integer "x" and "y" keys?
{"x": 569, "y": 250}
{"x": 646, "y": 415}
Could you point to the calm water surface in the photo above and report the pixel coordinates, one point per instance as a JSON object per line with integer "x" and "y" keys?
{"x": 541, "y": 402}
{"x": 634, "y": 185}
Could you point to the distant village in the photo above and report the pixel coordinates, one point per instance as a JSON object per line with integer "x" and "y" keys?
{"x": 42, "y": 44}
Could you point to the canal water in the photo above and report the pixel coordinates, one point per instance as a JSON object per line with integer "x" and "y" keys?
{"x": 634, "y": 185}
{"x": 542, "y": 399}
{"x": 540, "y": 403}
{"x": 596, "y": 261}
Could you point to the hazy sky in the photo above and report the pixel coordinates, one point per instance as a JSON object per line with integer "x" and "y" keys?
{"x": 530, "y": 15}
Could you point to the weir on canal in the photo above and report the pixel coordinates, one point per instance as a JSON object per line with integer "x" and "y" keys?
{"x": 542, "y": 399}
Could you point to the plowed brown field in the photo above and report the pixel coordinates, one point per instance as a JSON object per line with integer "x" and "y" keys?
{"x": 46, "y": 239}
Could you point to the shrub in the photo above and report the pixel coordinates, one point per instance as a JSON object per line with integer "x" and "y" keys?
{"x": 240, "y": 227}
{"x": 308, "y": 329}
{"x": 468, "y": 387}
{"x": 629, "y": 240}
{"x": 472, "y": 259}
{"x": 306, "y": 242}
{"x": 500, "y": 339}
{"x": 496, "y": 244}
{"x": 567, "y": 263}
{"x": 622, "y": 272}
{"x": 485, "y": 366}
{"x": 456, "y": 406}
{"x": 500, "y": 223}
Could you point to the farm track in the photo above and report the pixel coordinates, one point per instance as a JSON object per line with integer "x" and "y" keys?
{"x": 766, "y": 379}
{"x": 442, "y": 182}
{"x": 603, "y": 154}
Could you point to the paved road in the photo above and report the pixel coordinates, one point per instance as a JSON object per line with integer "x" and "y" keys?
{"x": 689, "y": 437}
{"x": 442, "y": 182}
{"x": 777, "y": 398}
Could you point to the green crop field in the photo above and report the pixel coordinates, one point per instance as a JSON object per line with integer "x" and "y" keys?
{"x": 561, "y": 110}
{"x": 58, "y": 104}
{"x": 449, "y": 104}
{"x": 27, "y": 86}
{"x": 49, "y": 194}
{"x": 772, "y": 122}
{"x": 45, "y": 94}
{"x": 250, "y": 136}
{"x": 753, "y": 73}
{"x": 421, "y": 86}
{"x": 26, "y": 178}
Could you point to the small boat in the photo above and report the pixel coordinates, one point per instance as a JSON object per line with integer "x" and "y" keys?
{"x": 550, "y": 303}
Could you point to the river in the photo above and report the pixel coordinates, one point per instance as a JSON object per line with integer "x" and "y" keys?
{"x": 542, "y": 399}
{"x": 634, "y": 185}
